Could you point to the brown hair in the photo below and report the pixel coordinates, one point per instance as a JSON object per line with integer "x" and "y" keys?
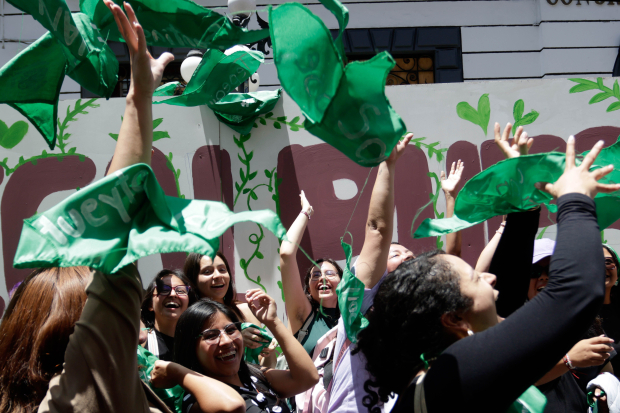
{"x": 309, "y": 274}
{"x": 35, "y": 332}
{"x": 192, "y": 270}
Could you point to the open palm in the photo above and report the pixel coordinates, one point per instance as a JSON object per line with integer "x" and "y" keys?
{"x": 449, "y": 184}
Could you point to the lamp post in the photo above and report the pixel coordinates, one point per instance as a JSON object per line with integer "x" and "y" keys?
{"x": 241, "y": 11}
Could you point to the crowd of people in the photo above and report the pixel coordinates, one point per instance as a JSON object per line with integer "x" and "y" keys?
{"x": 533, "y": 327}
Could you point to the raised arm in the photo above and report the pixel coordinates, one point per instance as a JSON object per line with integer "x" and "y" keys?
{"x": 484, "y": 260}
{"x": 372, "y": 261}
{"x": 298, "y": 308}
{"x": 301, "y": 373}
{"x": 449, "y": 186}
{"x": 500, "y": 363}
{"x": 135, "y": 138}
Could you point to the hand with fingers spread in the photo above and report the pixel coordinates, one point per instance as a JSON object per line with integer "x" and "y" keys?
{"x": 449, "y": 184}
{"x": 306, "y": 208}
{"x": 521, "y": 143}
{"x": 579, "y": 179}
{"x": 146, "y": 72}
{"x": 262, "y": 306}
{"x": 399, "y": 149}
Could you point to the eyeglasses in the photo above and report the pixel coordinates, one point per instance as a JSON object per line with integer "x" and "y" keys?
{"x": 211, "y": 336}
{"x": 538, "y": 270}
{"x": 165, "y": 289}
{"x": 317, "y": 274}
{"x": 610, "y": 264}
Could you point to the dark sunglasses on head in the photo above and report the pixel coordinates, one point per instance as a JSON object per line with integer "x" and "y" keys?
{"x": 232, "y": 330}
{"x": 165, "y": 289}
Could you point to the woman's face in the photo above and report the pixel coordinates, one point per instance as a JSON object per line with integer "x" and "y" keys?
{"x": 478, "y": 287}
{"x": 220, "y": 358}
{"x": 213, "y": 279}
{"x": 169, "y": 307}
{"x": 611, "y": 272}
{"x": 323, "y": 283}
{"x": 537, "y": 284}
{"x": 397, "y": 255}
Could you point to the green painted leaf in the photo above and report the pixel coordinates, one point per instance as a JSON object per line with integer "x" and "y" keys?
{"x": 277, "y": 125}
{"x": 170, "y": 156}
{"x": 517, "y": 110}
{"x": 243, "y": 161}
{"x": 584, "y": 82}
{"x": 253, "y": 195}
{"x": 113, "y": 136}
{"x": 10, "y": 137}
{"x": 157, "y": 135}
{"x": 599, "y": 82}
{"x": 294, "y": 128}
{"x": 250, "y": 155}
{"x": 242, "y": 174}
{"x": 237, "y": 186}
{"x": 616, "y": 89}
{"x": 259, "y": 255}
{"x": 258, "y": 279}
{"x": 281, "y": 118}
{"x": 246, "y": 190}
{"x": 242, "y": 264}
{"x": 270, "y": 114}
{"x": 262, "y": 121}
{"x": 484, "y": 111}
{"x": 268, "y": 173}
{"x": 255, "y": 125}
{"x": 157, "y": 122}
{"x": 528, "y": 119}
{"x": 582, "y": 88}
{"x": 274, "y": 197}
{"x": 71, "y": 151}
{"x": 236, "y": 141}
{"x": 466, "y": 112}
{"x": 599, "y": 97}
{"x": 613, "y": 106}
{"x": 245, "y": 138}
{"x": 252, "y": 175}
{"x": 294, "y": 120}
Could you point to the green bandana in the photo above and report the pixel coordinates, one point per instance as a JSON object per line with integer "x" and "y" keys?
{"x": 250, "y": 355}
{"x": 531, "y": 401}
{"x": 174, "y": 23}
{"x": 508, "y": 186}
{"x": 173, "y": 397}
{"x": 350, "y": 292}
{"x": 344, "y": 106}
{"x": 126, "y": 216}
{"x": 240, "y": 110}
{"x": 215, "y": 77}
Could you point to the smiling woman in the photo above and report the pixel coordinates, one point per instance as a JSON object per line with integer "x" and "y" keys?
{"x": 166, "y": 298}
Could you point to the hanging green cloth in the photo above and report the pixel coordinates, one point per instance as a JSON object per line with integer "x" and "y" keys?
{"x": 240, "y": 110}
{"x": 531, "y": 401}
{"x": 216, "y": 76}
{"x": 126, "y": 216}
{"x": 173, "y": 397}
{"x": 31, "y": 81}
{"x": 250, "y": 355}
{"x": 350, "y": 292}
{"x": 344, "y": 106}
{"x": 174, "y": 23}
{"x": 508, "y": 186}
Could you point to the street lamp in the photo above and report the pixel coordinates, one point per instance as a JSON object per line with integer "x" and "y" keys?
{"x": 241, "y": 10}
{"x": 189, "y": 65}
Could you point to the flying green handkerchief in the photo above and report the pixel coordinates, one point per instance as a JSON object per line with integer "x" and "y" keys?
{"x": 126, "y": 216}
{"x": 508, "y": 186}
{"x": 216, "y": 76}
{"x": 173, "y": 397}
{"x": 350, "y": 292}
{"x": 344, "y": 106}
{"x": 240, "y": 110}
{"x": 174, "y": 23}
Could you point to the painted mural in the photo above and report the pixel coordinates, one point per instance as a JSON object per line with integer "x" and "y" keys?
{"x": 196, "y": 156}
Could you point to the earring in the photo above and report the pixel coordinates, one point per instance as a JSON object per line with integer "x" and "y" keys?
{"x": 469, "y": 332}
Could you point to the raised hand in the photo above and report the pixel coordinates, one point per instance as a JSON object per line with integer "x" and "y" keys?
{"x": 591, "y": 352}
{"x": 579, "y": 179}
{"x": 450, "y": 183}
{"x": 163, "y": 374}
{"x": 399, "y": 149}
{"x": 521, "y": 143}
{"x": 146, "y": 72}
{"x": 262, "y": 306}
{"x": 305, "y": 205}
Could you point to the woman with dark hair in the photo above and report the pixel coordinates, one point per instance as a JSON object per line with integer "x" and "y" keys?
{"x": 212, "y": 331}
{"x": 445, "y": 311}
{"x": 166, "y": 298}
{"x": 35, "y": 332}
{"x": 318, "y": 292}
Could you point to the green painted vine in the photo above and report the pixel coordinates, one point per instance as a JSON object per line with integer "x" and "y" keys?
{"x": 279, "y": 121}
{"x": 431, "y": 148}
{"x": 584, "y": 85}
{"x": 63, "y": 136}
{"x": 176, "y": 173}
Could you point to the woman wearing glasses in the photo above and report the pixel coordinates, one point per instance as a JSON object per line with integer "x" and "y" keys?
{"x": 166, "y": 298}
{"x": 319, "y": 287}
{"x": 211, "y": 329}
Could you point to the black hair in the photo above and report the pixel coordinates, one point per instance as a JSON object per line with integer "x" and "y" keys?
{"x": 191, "y": 325}
{"x": 613, "y": 256}
{"x": 146, "y": 314}
{"x": 409, "y": 305}
{"x": 308, "y": 275}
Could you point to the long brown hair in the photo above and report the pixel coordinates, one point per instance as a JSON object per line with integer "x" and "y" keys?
{"x": 192, "y": 270}
{"x": 35, "y": 332}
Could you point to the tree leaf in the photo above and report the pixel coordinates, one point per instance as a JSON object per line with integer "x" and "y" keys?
{"x": 253, "y": 195}
{"x": 157, "y": 122}
{"x": 259, "y": 255}
{"x": 599, "y": 97}
{"x": 613, "y": 106}
{"x": 466, "y": 112}
{"x": 517, "y": 110}
{"x": 277, "y": 125}
{"x": 252, "y": 176}
{"x": 262, "y": 121}
{"x": 484, "y": 112}
{"x": 582, "y": 88}
{"x": 157, "y": 135}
